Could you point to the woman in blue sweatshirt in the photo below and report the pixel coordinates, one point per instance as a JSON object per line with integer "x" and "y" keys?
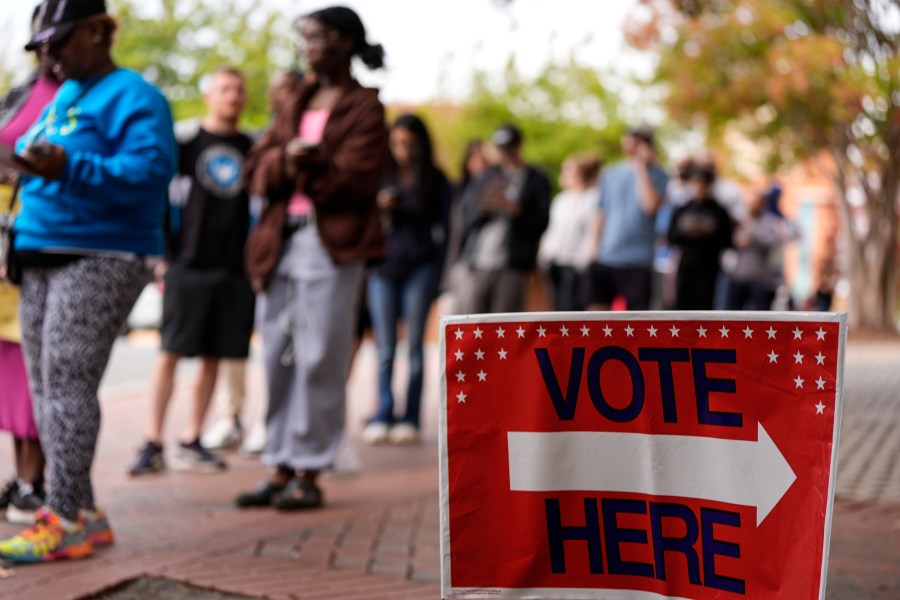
{"x": 101, "y": 157}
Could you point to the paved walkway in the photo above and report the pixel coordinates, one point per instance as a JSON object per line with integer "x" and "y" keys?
{"x": 378, "y": 536}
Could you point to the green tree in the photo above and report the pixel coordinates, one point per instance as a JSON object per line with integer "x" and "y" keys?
{"x": 806, "y": 78}
{"x": 567, "y": 108}
{"x": 175, "y": 43}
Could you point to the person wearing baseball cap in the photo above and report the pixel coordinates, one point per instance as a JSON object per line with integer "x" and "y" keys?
{"x": 505, "y": 212}
{"x": 507, "y": 137}
{"x": 56, "y": 19}
{"x": 100, "y": 159}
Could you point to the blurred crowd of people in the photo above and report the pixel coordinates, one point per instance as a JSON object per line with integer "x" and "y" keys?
{"x": 626, "y": 236}
{"x": 325, "y": 223}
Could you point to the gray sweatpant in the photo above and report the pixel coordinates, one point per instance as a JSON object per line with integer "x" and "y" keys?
{"x": 70, "y": 318}
{"x": 499, "y": 291}
{"x": 307, "y": 317}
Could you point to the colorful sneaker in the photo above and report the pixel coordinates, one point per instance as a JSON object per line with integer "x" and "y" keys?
{"x": 149, "y": 461}
{"x": 26, "y": 499}
{"x": 97, "y": 526}
{"x": 194, "y": 458}
{"x": 48, "y": 540}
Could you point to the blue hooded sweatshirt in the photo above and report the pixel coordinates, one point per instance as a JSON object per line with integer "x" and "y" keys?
{"x": 121, "y": 154}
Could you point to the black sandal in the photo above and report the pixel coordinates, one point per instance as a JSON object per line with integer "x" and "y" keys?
{"x": 298, "y": 494}
{"x": 263, "y": 495}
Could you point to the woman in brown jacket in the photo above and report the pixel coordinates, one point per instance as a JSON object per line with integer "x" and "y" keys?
{"x": 320, "y": 167}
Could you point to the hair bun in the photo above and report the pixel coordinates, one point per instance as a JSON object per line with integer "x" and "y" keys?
{"x": 372, "y": 56}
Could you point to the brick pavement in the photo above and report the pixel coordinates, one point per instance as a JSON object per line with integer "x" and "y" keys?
{"x": 378, "y": 536}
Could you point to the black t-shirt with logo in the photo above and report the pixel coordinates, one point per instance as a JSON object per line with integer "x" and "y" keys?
{"x": 211, "y": 210}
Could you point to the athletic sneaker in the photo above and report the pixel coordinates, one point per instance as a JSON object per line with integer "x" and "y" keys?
{"x": 7, "y": 491}
{"x": 24, "y": 502}
{"x": 404, "y": 434}
{"x": 48, "y": 540}
{"x": 262, "y": 495}
{"x": 194, "y": 458}
{"x": 225, "y": 434}
{"x": 255, "y": 442}
{"x": 97, "y": 526}
{"x": 149, "y": 461}
{"x": 375, "y": 433}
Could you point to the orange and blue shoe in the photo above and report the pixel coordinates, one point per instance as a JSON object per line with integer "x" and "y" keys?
{"x": 48, "y": 540}
{"x": 96, "y": 524}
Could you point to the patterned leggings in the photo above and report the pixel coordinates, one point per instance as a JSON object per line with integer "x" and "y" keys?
{"x": 70, "y": 317}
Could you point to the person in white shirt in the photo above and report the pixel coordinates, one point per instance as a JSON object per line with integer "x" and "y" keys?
{"x": 567, "y": 246}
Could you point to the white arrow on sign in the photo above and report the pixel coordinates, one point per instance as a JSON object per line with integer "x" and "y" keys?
{"x": 730, "y": 471}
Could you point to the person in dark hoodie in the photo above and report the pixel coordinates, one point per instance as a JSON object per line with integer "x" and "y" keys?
{"x": 505, "y": 211}
{"x": 320, "y": 166}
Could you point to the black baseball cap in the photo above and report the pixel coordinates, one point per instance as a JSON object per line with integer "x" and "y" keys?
{"x": 56, "y": 18}
{"x": 507, "y": 136}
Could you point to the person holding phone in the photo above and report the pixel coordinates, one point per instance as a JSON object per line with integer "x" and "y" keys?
{"x": 505, "y": 211}
{"x": 631, "y": 191}
{"x": 102, "y": 155}
{"x": 320, "y": 167}
{"x": 416, "y": 201}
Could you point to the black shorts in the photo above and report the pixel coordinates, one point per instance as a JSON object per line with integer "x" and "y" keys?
{"x": 207, "y": 312}
{"x": 632, "y": 283}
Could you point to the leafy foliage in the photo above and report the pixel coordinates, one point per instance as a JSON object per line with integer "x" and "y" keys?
{"x": 566, "y": 109}
{"x": 175, "y": 46}
{"x": 803, "y": 77}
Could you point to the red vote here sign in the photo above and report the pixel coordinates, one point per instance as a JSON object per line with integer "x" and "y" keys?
{"x": 639, "y": 455}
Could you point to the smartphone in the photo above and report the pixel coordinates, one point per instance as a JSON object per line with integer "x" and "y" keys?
{"x": 301, "y": 147}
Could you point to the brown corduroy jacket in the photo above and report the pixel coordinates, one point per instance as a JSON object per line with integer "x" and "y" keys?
{"x": 342, "y": 181}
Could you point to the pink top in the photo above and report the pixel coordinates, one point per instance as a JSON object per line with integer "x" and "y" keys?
{"x": 312, "y": 126}
{"x": 40, "y": 96}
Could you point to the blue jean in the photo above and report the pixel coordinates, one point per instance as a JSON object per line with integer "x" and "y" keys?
{"x": 389, "y": 301}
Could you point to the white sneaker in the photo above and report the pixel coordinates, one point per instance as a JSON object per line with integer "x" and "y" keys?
{"x": 375, "y": 433}
{"x": 255, "y": 442}
{"x": 346, "y": 461}
{"x": 225, "y": 434}
{"x": 404, "y": 434}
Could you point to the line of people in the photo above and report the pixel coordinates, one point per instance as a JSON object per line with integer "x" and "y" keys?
{"x": 286, "y": 232}
{"x": 100, "y": 165}
{"x": 687, "y": 243}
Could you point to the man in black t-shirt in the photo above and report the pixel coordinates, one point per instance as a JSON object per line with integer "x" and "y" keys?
{"x": 702, "y": 229}
{"x": 207, "y": 300}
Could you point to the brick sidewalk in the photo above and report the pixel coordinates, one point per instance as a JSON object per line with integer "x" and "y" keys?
{"x": 378, "y": 536}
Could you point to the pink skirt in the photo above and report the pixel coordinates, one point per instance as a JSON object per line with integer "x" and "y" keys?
{"x": 16, "y": 414}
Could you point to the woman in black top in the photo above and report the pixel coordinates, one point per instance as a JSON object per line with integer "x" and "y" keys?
{"x": 416, "y": 201}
